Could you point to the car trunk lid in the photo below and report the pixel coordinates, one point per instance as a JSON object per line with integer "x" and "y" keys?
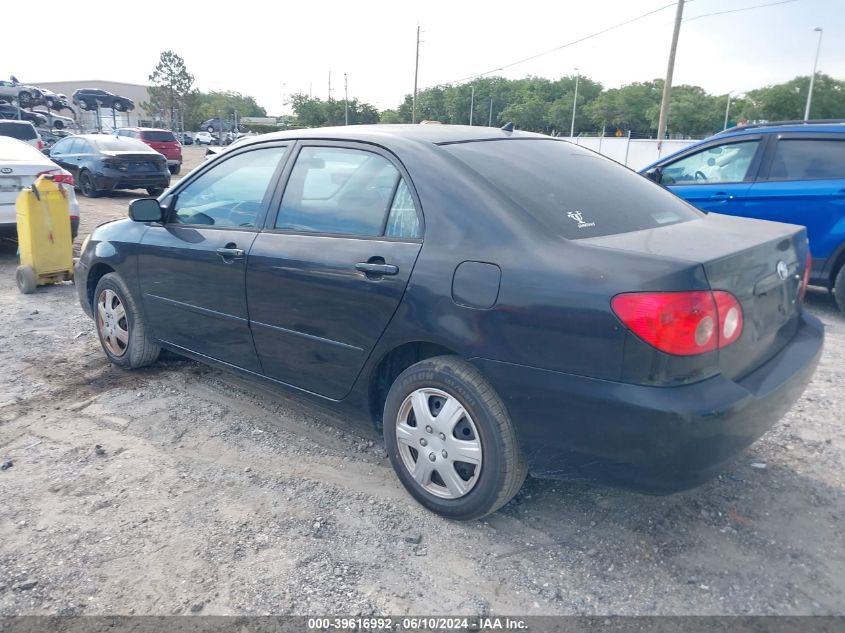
{"x": 761, "y": 263}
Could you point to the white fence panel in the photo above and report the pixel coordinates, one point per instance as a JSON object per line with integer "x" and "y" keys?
{"x": 635, "y": 153}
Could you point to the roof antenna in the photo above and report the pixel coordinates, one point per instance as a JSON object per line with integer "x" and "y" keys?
{"x": 508, "y": 127}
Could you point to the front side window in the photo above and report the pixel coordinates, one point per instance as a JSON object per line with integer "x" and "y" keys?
{"x": 808, "y": 159}
{"x": 230, "y": 194}
{"x": 717, "y": 164}
{"x": 347, "y": 191}
{"x": 62, "y": 147}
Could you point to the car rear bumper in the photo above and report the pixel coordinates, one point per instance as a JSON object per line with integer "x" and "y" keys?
{"x": 132, "y": 181}
{"x": 655, "y": 439}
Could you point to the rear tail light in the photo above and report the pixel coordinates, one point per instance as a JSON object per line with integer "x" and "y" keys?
{"x": 681, "y": 323}
{"x": 40, "y": 144}
{"x": 58, "y": 176}
{"x": 808, "y": 266}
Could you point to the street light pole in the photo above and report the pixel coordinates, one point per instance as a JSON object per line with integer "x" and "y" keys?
{"x": 471, "y": 103}
{"x": 345, "y": 101}
{"x": 574, "y": 104}
{"x": 727, "y": 109}
{"x": 813, "y": 77}
{"x": 416, "y": 74}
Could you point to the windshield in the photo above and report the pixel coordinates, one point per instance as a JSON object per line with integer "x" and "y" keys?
{"x": 574, "y": 192}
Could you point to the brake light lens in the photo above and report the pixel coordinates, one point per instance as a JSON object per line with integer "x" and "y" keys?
{"x": 681, "y": 323}
{"x": 59, "y": 176}
{"x": 40, "y": 144}
{"x": 808, "y": 266}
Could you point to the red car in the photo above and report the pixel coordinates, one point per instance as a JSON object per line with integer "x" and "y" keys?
{"x": 162, "y": 141}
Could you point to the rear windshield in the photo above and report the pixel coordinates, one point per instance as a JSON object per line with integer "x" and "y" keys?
{"x": 122, "y": 144}
{"x": 20, "y": 131}
{"x": 574, "y": 192}
{"x": 162, "y": 136}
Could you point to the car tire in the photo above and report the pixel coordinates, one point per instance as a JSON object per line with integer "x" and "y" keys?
{"x": 155, "y": 192}
{"x": 24, "y": 97}
{"x": 175, "y": 169}
{"x": 59, "y": 125}
{"x": 26, "y": 279}
{"x": 450, "y": 486}
{"x": 210, "y": 129}
{"x": 839, "y": 288}
{"x": 120, "y": 325}
{"x": 87, "y": 186}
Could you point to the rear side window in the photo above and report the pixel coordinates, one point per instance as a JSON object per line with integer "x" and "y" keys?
{"x": 808, "y": 159}
{"x": 159, "y": 136}
{"x": 347, "y": 191}
{"x": 572, "y": 191}
{"x": 22, "y": 132}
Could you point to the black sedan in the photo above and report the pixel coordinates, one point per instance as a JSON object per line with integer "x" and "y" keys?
{"x": 92, "y": 98}
{"x": 498, "y": 302}
{"x": 101, "y": 163}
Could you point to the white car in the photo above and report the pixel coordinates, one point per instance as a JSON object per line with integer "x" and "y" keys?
{"x": 24, "y": 95}
{"x": 21, "y": 130}
{"x": 56, "y": 122}
{"x": 204, "y": 138}
{"x": 20, "y": 165}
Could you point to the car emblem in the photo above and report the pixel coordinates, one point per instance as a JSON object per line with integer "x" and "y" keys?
{"x": 6, "y": 170}
{"x": 783, "y": 271}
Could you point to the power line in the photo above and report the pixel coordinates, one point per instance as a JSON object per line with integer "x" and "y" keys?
{"x": 572, "y": 43}
{"x": 756, "y": 6}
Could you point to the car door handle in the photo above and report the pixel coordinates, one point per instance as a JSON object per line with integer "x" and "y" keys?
{"x": 722, "y": 196}
{"x": 229, "y": 252}
{"x": 377, "y": 269}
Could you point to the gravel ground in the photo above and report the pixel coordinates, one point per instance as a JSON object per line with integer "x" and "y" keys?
{"x": 182, "y": 489}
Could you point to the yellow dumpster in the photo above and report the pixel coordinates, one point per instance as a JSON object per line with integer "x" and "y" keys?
{"x": 44, "y": 239}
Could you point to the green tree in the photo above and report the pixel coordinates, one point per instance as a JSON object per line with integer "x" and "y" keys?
{"x": 787, "y": 101}
{"x": 171, "y": 83}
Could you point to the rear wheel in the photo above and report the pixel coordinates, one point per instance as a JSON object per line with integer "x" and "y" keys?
{"x": 450, "y": 440}
{"x": 839, "y": 288}
{"x": 120, "y": 325}
{"x": 26, "y": 279}
{"x": 210, "y": 129}
{"x": 87, "y": 185}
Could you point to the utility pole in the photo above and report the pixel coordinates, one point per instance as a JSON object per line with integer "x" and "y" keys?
{"x": 813, "y": 77}
{"x": 471, "y": 103}
{"x": 574, "y": 104}
{"x": 667, "y": 86}
{"x": 416, "y": 75}
{"x": 727, "y": 110}
{"x": 345, "y": 100}
{"x": 330, "y": 85}
{"x": 490, "y": 119}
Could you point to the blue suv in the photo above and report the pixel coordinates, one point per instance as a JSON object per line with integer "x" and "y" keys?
{"x": 788, "y": 172}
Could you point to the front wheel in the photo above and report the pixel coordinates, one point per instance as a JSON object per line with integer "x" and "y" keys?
{"x": 839, "y": 288}
{"x": 120, "y": 325}
{"x": 155, "y": 192}
{"x": 450, "y": 439}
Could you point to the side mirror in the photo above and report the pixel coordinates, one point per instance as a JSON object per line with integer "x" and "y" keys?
{"x": 46, "y": 151}
{"x": 146, "y": 210}
{"x": 655, "y": 174}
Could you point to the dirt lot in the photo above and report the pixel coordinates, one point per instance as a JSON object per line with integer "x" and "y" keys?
{"x": 213, "y": 495}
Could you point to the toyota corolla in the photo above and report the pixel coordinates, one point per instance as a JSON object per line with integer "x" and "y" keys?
{"x": 500, "y": 303}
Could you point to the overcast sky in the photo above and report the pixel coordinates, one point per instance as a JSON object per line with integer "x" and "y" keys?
{"x": 272, "y": 49}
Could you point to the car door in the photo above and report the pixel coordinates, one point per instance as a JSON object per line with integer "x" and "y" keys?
{"x": 328, "y": 272}
{"x": 67, "y": 154}
{"x": 191, "y": 268}
{"x": 803, "y": 182}
{"x": 717, "y": 176}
